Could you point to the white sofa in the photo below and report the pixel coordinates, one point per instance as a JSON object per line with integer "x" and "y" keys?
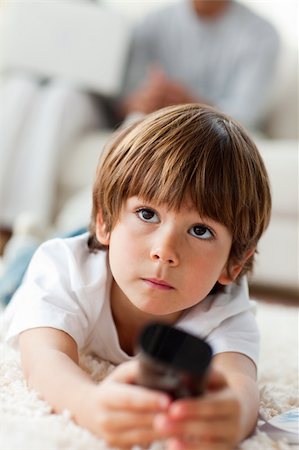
{"x": 277, "y": 262}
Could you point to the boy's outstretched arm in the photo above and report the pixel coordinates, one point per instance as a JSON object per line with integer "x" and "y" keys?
{"x": 240, "y": 373}
{"x": 225, "y": 415}
{"x": 115, "y": 410}
{"x": 50, "y": 364}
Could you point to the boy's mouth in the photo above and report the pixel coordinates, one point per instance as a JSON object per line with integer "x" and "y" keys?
{"x": 158, "y": 284}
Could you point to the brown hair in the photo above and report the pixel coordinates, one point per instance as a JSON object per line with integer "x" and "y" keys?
{"x": 187, "y": 150}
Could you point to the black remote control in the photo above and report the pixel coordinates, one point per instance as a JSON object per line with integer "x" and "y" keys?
{"x": 173, "y": 361}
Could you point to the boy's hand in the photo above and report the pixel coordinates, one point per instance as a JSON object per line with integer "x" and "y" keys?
{"x": 122, "y": 413}
{"x": 211, "y": 422}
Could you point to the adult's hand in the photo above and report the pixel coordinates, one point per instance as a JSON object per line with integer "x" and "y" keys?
{"x": 156, "y": 92}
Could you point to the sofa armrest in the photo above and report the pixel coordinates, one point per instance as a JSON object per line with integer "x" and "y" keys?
{"x": 80, "y": 42}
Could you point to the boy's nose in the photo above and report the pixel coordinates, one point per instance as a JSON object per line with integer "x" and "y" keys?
{"x": 165, "y": 254}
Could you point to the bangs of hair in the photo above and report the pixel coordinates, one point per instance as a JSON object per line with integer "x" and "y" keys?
{"x": 189, "y": 156}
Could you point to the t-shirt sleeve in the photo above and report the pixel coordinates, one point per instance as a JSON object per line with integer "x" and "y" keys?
{"x": 227, "y": 321}
{"x": 239, "y": 334}
{"x": 50, "y": 296}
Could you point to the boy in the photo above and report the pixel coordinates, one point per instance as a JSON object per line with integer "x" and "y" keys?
{"x": 180, "y": 201}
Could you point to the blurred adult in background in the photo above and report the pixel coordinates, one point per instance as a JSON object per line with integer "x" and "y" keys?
{"x": 217, "y": 52}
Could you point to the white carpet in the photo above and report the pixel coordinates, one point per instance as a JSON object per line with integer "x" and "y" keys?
{"x": 26, "y": 422}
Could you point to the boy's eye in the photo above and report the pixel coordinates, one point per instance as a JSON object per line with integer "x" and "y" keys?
{"x": 148, "y": 215}
{"x": 201, "y": 232}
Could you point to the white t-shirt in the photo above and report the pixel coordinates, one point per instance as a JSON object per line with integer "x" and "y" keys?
{"x": 68, "y": 288}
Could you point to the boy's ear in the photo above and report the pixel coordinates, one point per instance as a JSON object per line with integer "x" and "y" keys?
{"x": 235, "y": 269}
{"x": 101, "y": 233}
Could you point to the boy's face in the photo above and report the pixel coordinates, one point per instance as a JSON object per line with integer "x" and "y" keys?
{"x": 164, "y": 261}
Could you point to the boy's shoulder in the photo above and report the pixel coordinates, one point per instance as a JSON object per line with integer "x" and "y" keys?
{"x": 216, "y": 308}
{"x": 58, "y": 247}
{"x": 64, "y": 250}
{"x": 71, "y": 258}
